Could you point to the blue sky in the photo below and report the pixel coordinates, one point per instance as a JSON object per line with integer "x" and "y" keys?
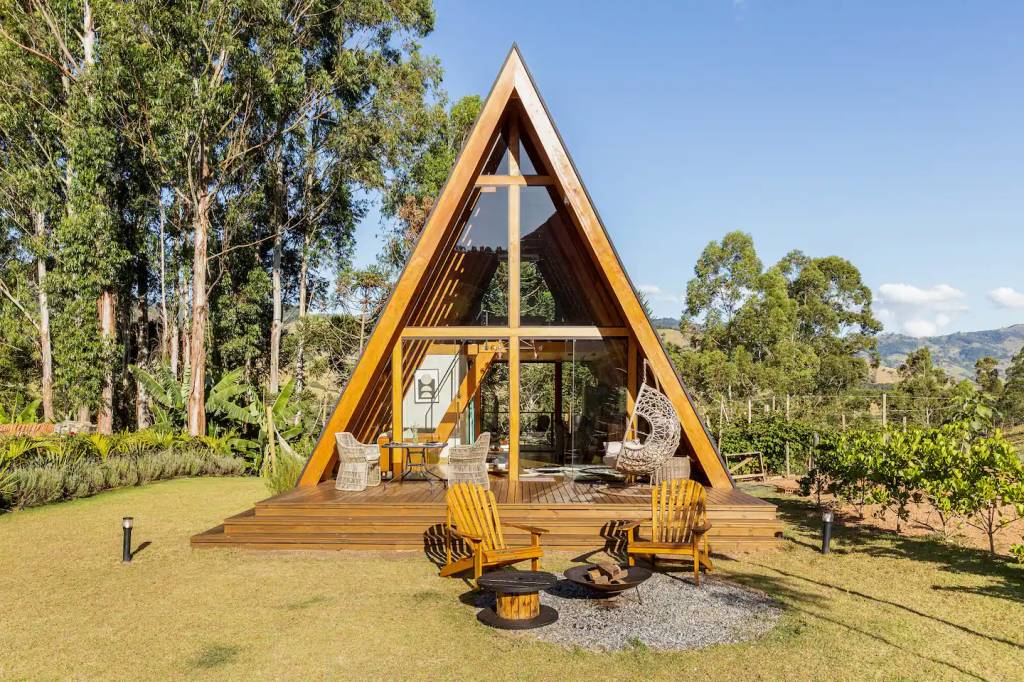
{"x": 888, "y": 133}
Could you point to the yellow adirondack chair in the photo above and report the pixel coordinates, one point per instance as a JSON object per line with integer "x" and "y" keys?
{"x": 679, "y": 526}
{"x": 473, "y": 517}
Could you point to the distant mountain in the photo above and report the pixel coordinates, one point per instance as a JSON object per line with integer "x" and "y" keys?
{"x": 955, "y": 353}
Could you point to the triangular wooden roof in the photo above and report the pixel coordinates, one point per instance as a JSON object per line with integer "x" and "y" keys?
{"x": 514, "y": 87}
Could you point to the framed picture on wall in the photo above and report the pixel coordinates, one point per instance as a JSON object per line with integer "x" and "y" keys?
{"x": 425, "y": 386}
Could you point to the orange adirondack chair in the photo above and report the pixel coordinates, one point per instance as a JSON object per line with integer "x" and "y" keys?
{"x": 473, "y": 517}
{"x": 679, "y": 526}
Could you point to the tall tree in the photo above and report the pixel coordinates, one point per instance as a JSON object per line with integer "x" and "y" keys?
{"x": 986, "y": 374}
{"x": 725, "y": 276}
{"x": 833, "y": 309}
{"x": 803, "y": 325}
{"x": 353, "y": 109}
{"x": 1011, "y": 402}
{"x": 58, "y": 41}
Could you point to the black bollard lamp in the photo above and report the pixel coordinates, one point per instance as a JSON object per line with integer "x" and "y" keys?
{"x": 826, "y": 530}
{"x": 126, "y": 525}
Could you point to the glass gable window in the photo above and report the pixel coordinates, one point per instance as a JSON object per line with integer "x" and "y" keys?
{"x": 558, "y": 283}
{"x": 468, "y": 285}
{"x": 498, "y": 159}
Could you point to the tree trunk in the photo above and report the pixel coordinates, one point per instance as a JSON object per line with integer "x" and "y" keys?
{"x": 142, "y": 340}
{"x": 197, "y": 347}
{"x": 107, "y": 313}
{"x": 45, "y": 347}
{"x": 991, "y": 529}
{"x": 300, "y": 359}
{"x": 179, "y": 311}
{"x": 278, "y": 211}
{"x": 165, "y": 331}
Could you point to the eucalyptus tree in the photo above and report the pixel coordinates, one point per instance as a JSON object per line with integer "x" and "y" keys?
{"x": 53, "y": 53}
{"x": 200, "y": 69}
{"x": 30, "y": 198}
{"x": 345, "y": 118}
{"x": 803, "y": 325}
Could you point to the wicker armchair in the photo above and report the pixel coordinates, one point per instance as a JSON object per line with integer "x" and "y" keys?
{"x": 468, "y": 463}
{"x": 358, "y": 464}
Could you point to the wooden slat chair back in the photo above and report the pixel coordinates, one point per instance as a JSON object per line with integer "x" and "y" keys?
{"x": 473, "y": 518}
{"x": 676, "y": 507}
{"x": 474, "y": 511}
{"x": 679, "y": 525}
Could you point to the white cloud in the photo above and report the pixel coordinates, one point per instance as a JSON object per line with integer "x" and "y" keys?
{"x": 939, "y": 297}
{"x": 1006, "y": 297}
{"x": 919, "y": 311}
{"x": 919, "y": 327}
{"x": 656, "y": 293}
{"x": 663, "y": 302}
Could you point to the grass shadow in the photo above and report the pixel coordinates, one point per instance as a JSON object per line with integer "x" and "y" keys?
{"x": 214, "y": 656}
{"x": 303, "y": 604}
{"x": 850, "y": 537}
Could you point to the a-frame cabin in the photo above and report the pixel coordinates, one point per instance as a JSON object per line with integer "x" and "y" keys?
{"x": 513, "y": 316}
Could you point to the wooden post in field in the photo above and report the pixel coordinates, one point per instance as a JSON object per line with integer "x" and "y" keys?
{"x": 885, "y": 412}
{"x": 787, "y": 441}
{"x": 721, "y": 418}
{"x": 748, "y": 410}
{"x": 904, "y": 423}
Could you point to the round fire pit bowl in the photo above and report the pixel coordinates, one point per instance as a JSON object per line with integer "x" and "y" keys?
{"x": 635, "y": 575}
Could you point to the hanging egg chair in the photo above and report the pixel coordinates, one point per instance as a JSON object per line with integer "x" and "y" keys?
{"x": 657, "y": 429}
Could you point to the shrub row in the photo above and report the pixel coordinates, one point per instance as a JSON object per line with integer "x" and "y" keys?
{"x": 37, "y": 471}
{"x": 770, "y": 434}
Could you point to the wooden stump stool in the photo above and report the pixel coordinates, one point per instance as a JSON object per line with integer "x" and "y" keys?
{"x": 518, "y": 599}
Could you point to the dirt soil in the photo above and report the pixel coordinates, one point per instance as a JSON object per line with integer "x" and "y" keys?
{"x": 924, "y": 521}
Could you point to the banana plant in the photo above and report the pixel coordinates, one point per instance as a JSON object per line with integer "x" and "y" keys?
{"x": 169, "y": 398}
{"x": 20, "y": 415}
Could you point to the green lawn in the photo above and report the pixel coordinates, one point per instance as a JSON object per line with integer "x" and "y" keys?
{"x": 881, "y": 607}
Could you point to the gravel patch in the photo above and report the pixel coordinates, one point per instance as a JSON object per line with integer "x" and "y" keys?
{"x": 674, "y": 615}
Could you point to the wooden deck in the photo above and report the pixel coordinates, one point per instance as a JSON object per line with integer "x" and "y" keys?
{"x": 409, "y": 516}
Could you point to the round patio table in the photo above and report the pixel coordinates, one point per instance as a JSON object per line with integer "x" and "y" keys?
{"x": 416, "y": 462}
{"x": 518, "y": 604}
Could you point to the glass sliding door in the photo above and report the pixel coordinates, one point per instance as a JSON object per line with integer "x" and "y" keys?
{"x": 572, "y": 401}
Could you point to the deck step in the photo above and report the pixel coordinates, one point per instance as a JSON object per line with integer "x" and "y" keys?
{"x": 508, "y": 512}
{"x": 384, "y": 541}
{"x": 248, "y": 523}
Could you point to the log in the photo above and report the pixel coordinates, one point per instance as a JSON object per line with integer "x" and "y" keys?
{"x": 612, "y": 571}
